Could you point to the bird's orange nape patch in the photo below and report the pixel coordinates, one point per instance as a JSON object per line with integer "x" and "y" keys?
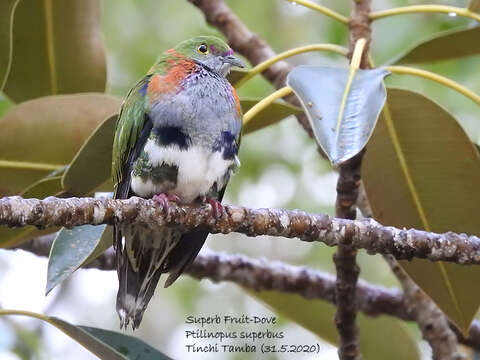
{"x": 179, "y": 68}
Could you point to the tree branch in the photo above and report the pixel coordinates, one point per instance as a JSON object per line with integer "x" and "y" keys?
{"x": 263, "y": 275}
{"x": 366, "y": 234}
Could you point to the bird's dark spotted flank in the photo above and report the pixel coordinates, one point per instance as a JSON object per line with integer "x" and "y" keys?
{"x": 228, "y": 144}
{"x": 172, "y": 135}
{"x": 163, "y": 173}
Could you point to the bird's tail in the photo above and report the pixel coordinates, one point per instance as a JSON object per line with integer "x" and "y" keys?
{"x": 141, "y": 259}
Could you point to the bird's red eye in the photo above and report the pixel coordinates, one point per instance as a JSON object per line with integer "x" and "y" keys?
{"x": 203, "y": 49}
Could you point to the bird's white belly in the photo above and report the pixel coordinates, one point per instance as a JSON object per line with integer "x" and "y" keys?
{"x": 198, "y": 169}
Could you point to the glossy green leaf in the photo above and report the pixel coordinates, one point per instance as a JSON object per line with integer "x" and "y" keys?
{"x": 421, "y": 171}
{"x": 57, "y": 49}
{"x": 452, "y": 44}
{"x": 7, "y": 9}
{"x": 129, "y": 347}
{"x": 275, "y": 112}
{"x": 42, "y": 135}
{"x": 91, "y": 166}
{"x": 474, "y": 5}
{"x": 106, "y": 344}
{"x": 317, "y": 316}
{"x": 48, "y": 186}
{"x": 342, "y": 129}
{"x": 70, "y": 249}
{"x": 105, "y": 241}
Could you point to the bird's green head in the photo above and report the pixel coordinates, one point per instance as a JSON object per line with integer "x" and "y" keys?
{"x": 211, "y": 52}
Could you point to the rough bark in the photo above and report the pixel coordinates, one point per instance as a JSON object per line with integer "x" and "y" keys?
{"x": 367, "y": 234}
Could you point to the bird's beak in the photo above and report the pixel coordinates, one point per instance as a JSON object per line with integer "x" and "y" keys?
{"x": 233, "y": 61}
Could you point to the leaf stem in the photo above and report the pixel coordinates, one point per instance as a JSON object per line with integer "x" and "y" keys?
{"x": 286, "y": 54}
{"x": 262, "y": 104}
{"x": 29, "y": 165}
{"x": 354, "y": 65}
{"x": 24, "y": 313}
{"x": 416, "y": 9}
{"x": 321, "y": 9}
{"x": 437, "y": 78}
{"x": 10, "y": 46}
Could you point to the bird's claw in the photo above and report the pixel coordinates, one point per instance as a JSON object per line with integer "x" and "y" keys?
{"x": 163, "y": 199}
{"x": 217, "y": 207}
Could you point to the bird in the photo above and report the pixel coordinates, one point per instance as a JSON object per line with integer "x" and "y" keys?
{"x": 176, "y": 139}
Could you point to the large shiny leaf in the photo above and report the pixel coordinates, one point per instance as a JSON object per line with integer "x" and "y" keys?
{"x": 71, "y": 248}
{"x": 42, "y": 135}
{"x": 48, "y": 186}
{"x": 275, "y": 112}
{"x": 57, "y": 49}
{"x": 129, "y": 347}
{"x": 317, "y": 316}
{"x": 342, "y": 120}
{"x": 91, "y": 166}
{"x": 106, "y": 344}
{"x": 421, "y": 171}
{"x": 447, "y": 45}
{"x": 7, "y": 9}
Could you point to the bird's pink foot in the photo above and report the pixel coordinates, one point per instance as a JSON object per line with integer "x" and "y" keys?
{"x": 217, "y": 207}
{"x": 163, "y": 199}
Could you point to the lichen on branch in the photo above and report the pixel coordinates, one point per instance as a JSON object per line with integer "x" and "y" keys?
{"x": 367, "y": 234}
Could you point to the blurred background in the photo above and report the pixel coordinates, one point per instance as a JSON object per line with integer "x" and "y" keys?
{"x": 280, "y": 168}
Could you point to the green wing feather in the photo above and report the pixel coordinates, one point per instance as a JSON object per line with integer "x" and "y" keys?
{"x": 128, "y": 129}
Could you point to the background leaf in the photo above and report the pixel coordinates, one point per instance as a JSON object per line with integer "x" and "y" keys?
{"x": 321, "y": 89}
{"x": 41, "y": 135}
{"x": 447, "y": 45}
{"x": 131, "y": 348}
{"x": 70, "y": 249}
{"x": 43, "y": 188}
{"x": 7, "y": 9}
{"x": 474, "y": 5}
{"x": 107, "y": 345}
{"x": 317, "y": 316}
{"x": 91, "y": 166}
{"x": 421, "y": 171}
{"x": 272, "y": 114}
{"x": 57, "y": 49}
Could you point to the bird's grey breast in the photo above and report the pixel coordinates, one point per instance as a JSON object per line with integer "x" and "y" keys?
{"x": 204, "y": 107}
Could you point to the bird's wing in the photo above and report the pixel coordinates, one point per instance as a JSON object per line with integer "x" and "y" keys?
{"x": 131, "y": 133}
